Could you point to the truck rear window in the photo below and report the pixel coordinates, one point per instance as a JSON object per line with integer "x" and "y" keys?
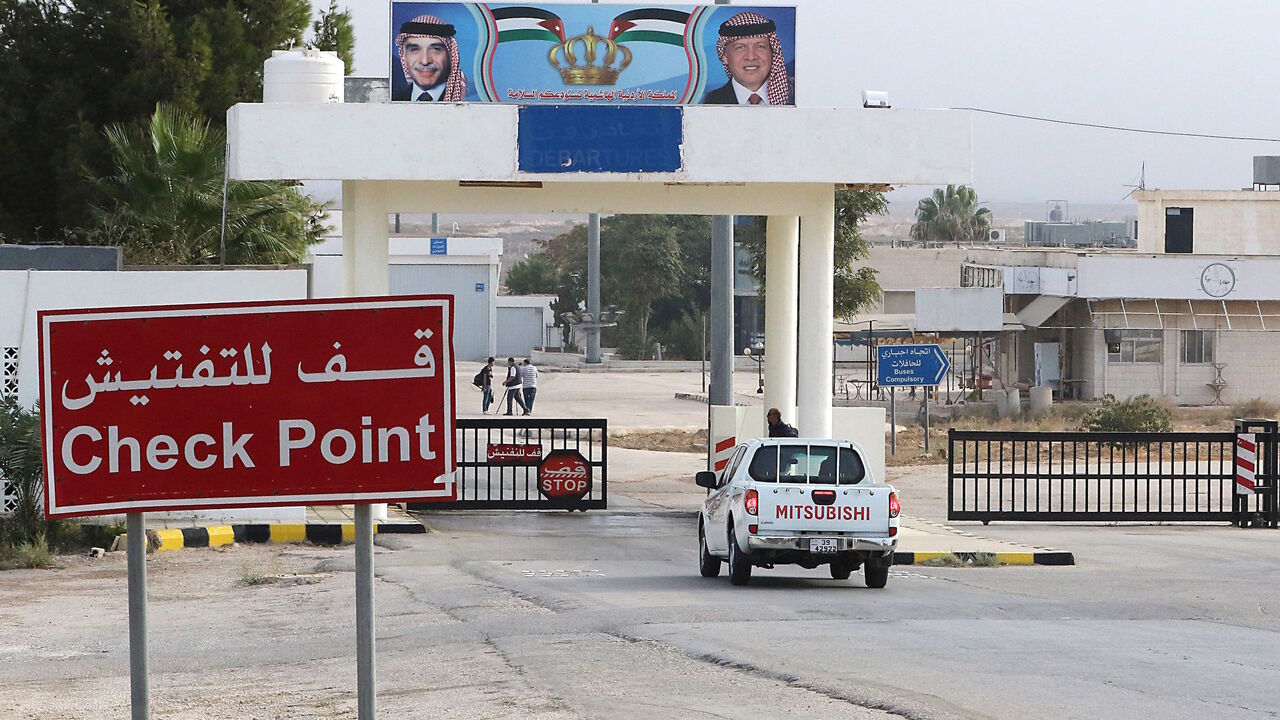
{"x": 812, "y": 464}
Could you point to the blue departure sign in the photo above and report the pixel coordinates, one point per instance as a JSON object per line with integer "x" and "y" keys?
{"x": 910, "y": 365}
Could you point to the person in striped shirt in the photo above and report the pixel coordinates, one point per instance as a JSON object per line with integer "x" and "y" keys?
{"x": 529, "y": 384}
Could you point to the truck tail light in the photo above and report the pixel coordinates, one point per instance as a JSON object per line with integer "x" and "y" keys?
{"x": 893, "y": 531}
{"x": 752, "y": 528}
{"x": 894, "y": 507}
{"x": 752, "y": 502}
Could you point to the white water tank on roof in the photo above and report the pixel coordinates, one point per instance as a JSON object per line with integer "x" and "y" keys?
{"x": 302, "y": 75}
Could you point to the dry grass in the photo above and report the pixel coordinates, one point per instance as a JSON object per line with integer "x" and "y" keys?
{"x": 663, "y": 440}
{"x": 957, "y": 560}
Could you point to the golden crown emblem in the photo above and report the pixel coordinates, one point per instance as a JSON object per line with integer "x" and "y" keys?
{"x": 589, "y": 72}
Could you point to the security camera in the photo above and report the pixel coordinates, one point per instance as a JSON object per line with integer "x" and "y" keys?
{"x": 875, "y": 99}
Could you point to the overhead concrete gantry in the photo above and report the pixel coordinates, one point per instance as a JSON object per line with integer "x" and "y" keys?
{"x": 781, "y": 162}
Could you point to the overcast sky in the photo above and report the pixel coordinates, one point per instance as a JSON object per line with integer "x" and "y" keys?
{"x": 1176, "y": 65}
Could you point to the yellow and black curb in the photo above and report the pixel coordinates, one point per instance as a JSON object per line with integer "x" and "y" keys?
{"x": 219, "y": 535}
{"x": 1050, "y": 557}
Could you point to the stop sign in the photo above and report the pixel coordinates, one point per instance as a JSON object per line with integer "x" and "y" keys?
{"x": 564, "y": 475}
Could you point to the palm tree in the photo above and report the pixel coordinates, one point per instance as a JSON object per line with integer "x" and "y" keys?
{"x": 951, "y": 215}
{"x": 164, "y": 200}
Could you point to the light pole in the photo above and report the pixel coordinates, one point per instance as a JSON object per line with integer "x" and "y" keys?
{"x": 758, "y": 356}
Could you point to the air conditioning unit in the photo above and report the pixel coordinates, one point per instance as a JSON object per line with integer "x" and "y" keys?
{"x": 996, "y": 236}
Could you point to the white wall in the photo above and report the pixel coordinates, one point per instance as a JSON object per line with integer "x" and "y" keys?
{"x": 1176, "y": 277}
{"x": 959, "y": 309}
{"x": 278, "y": 141}
{"x": 29, "y": 291}
{"x": 1238, "y": 222}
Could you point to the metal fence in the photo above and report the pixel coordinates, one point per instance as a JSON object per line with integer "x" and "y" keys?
{"x": 1046, "y": 476}
{"x": 498, "y": 458}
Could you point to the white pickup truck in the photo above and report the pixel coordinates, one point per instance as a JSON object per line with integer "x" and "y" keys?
{"x": 800, "y": 501}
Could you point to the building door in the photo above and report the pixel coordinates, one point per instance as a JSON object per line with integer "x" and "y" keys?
{"x": 1178, "y": 229}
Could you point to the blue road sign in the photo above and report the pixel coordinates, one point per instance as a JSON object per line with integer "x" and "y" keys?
{"x": 439, "y": 246}
{"x": 910, "y": 365}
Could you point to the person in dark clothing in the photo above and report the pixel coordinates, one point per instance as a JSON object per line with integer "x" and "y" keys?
{"x": 513, "y": 385}
{"x": 486, "y": 385}
{"x": 777, "y": 428}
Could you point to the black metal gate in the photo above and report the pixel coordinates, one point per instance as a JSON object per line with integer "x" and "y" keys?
{"x": 497, "y": 461}
{"x": 1052, "y": 476}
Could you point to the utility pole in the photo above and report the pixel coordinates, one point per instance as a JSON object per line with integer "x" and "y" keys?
{"x": 593, "y": 288}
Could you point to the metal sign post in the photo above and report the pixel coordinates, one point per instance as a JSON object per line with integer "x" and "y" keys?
{"x": 926, "y": 421}
{"x": 139, "y": 683}
{"x": 893, "y": 423}
{"x": 366, "y": 675}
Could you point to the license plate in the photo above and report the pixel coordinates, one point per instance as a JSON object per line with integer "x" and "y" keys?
{"x": 823, "y": 545}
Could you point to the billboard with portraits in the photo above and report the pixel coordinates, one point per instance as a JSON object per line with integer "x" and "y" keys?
{"x": 613, "y": 54}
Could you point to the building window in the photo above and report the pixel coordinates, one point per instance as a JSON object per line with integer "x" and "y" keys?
{"x": 1197, "y": 347}
{"x": 1179, "y": 230}
{"x": 1134, "y": 346}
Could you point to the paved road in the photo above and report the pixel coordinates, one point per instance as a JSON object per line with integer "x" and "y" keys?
{"x": 603, "y": 615}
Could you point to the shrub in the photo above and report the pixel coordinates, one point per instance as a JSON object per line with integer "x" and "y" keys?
{"x": 20, "y": 470}
{"x": 1137, "y": 414}
{"x": 1256, "y": 408}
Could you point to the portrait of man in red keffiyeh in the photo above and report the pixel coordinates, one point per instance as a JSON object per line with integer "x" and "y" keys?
{"x": 428, "y": 55}
{"x": 752, "y": 56}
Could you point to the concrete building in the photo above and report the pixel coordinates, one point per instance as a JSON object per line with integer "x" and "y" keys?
{"x": 486, "y": 323}
{"x": 1192, "y": 316}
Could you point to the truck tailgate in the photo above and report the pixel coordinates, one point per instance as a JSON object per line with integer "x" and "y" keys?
{"x": 823, "y": 508}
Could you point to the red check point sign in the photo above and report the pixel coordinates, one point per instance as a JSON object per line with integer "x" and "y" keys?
{"x": 247, "y": 405}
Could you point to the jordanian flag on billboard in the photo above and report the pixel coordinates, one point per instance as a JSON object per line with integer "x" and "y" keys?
{"x": 528, "y": 23}
{"x": 650, "y": 25}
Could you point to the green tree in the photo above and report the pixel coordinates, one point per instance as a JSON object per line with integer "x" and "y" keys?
{"x": 534, "y": 275}
{"x": 68, "y": 70}
{"x": 645, "y": 264}
{"x": 164, "y": 200}
{"x": 333, "y": 31}
{"x": 854, "y": 288}
{"x": 950, "y": 215}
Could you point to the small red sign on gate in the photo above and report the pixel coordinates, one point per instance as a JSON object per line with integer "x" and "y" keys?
{"x": 564, "y": 475}
{"x": 511, "y": 454}
{"x": 245, "y": 405}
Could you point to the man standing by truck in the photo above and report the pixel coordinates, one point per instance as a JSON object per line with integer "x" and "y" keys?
{"x": 777, "y": 428}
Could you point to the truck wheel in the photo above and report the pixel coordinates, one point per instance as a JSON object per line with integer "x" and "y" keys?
{"x": 876, "y": 577}
{"x": 841, "y": 569}
{"x": 739, "y": 565}
{"x": 708, "y": 564}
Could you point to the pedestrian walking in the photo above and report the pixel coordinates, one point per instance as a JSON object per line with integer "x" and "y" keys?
{"x": 484, "y": 379}
{"x": 513, "y": 387}
{"x": 529, "y": 384}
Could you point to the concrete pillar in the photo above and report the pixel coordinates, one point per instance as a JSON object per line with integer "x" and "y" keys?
{"x": 721, "y": 348}
{"x": 782, "y": 257}
{"x": 593, "y": 286}
{"x": 365, "y": 248}
{"x": 814, "y": 353}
